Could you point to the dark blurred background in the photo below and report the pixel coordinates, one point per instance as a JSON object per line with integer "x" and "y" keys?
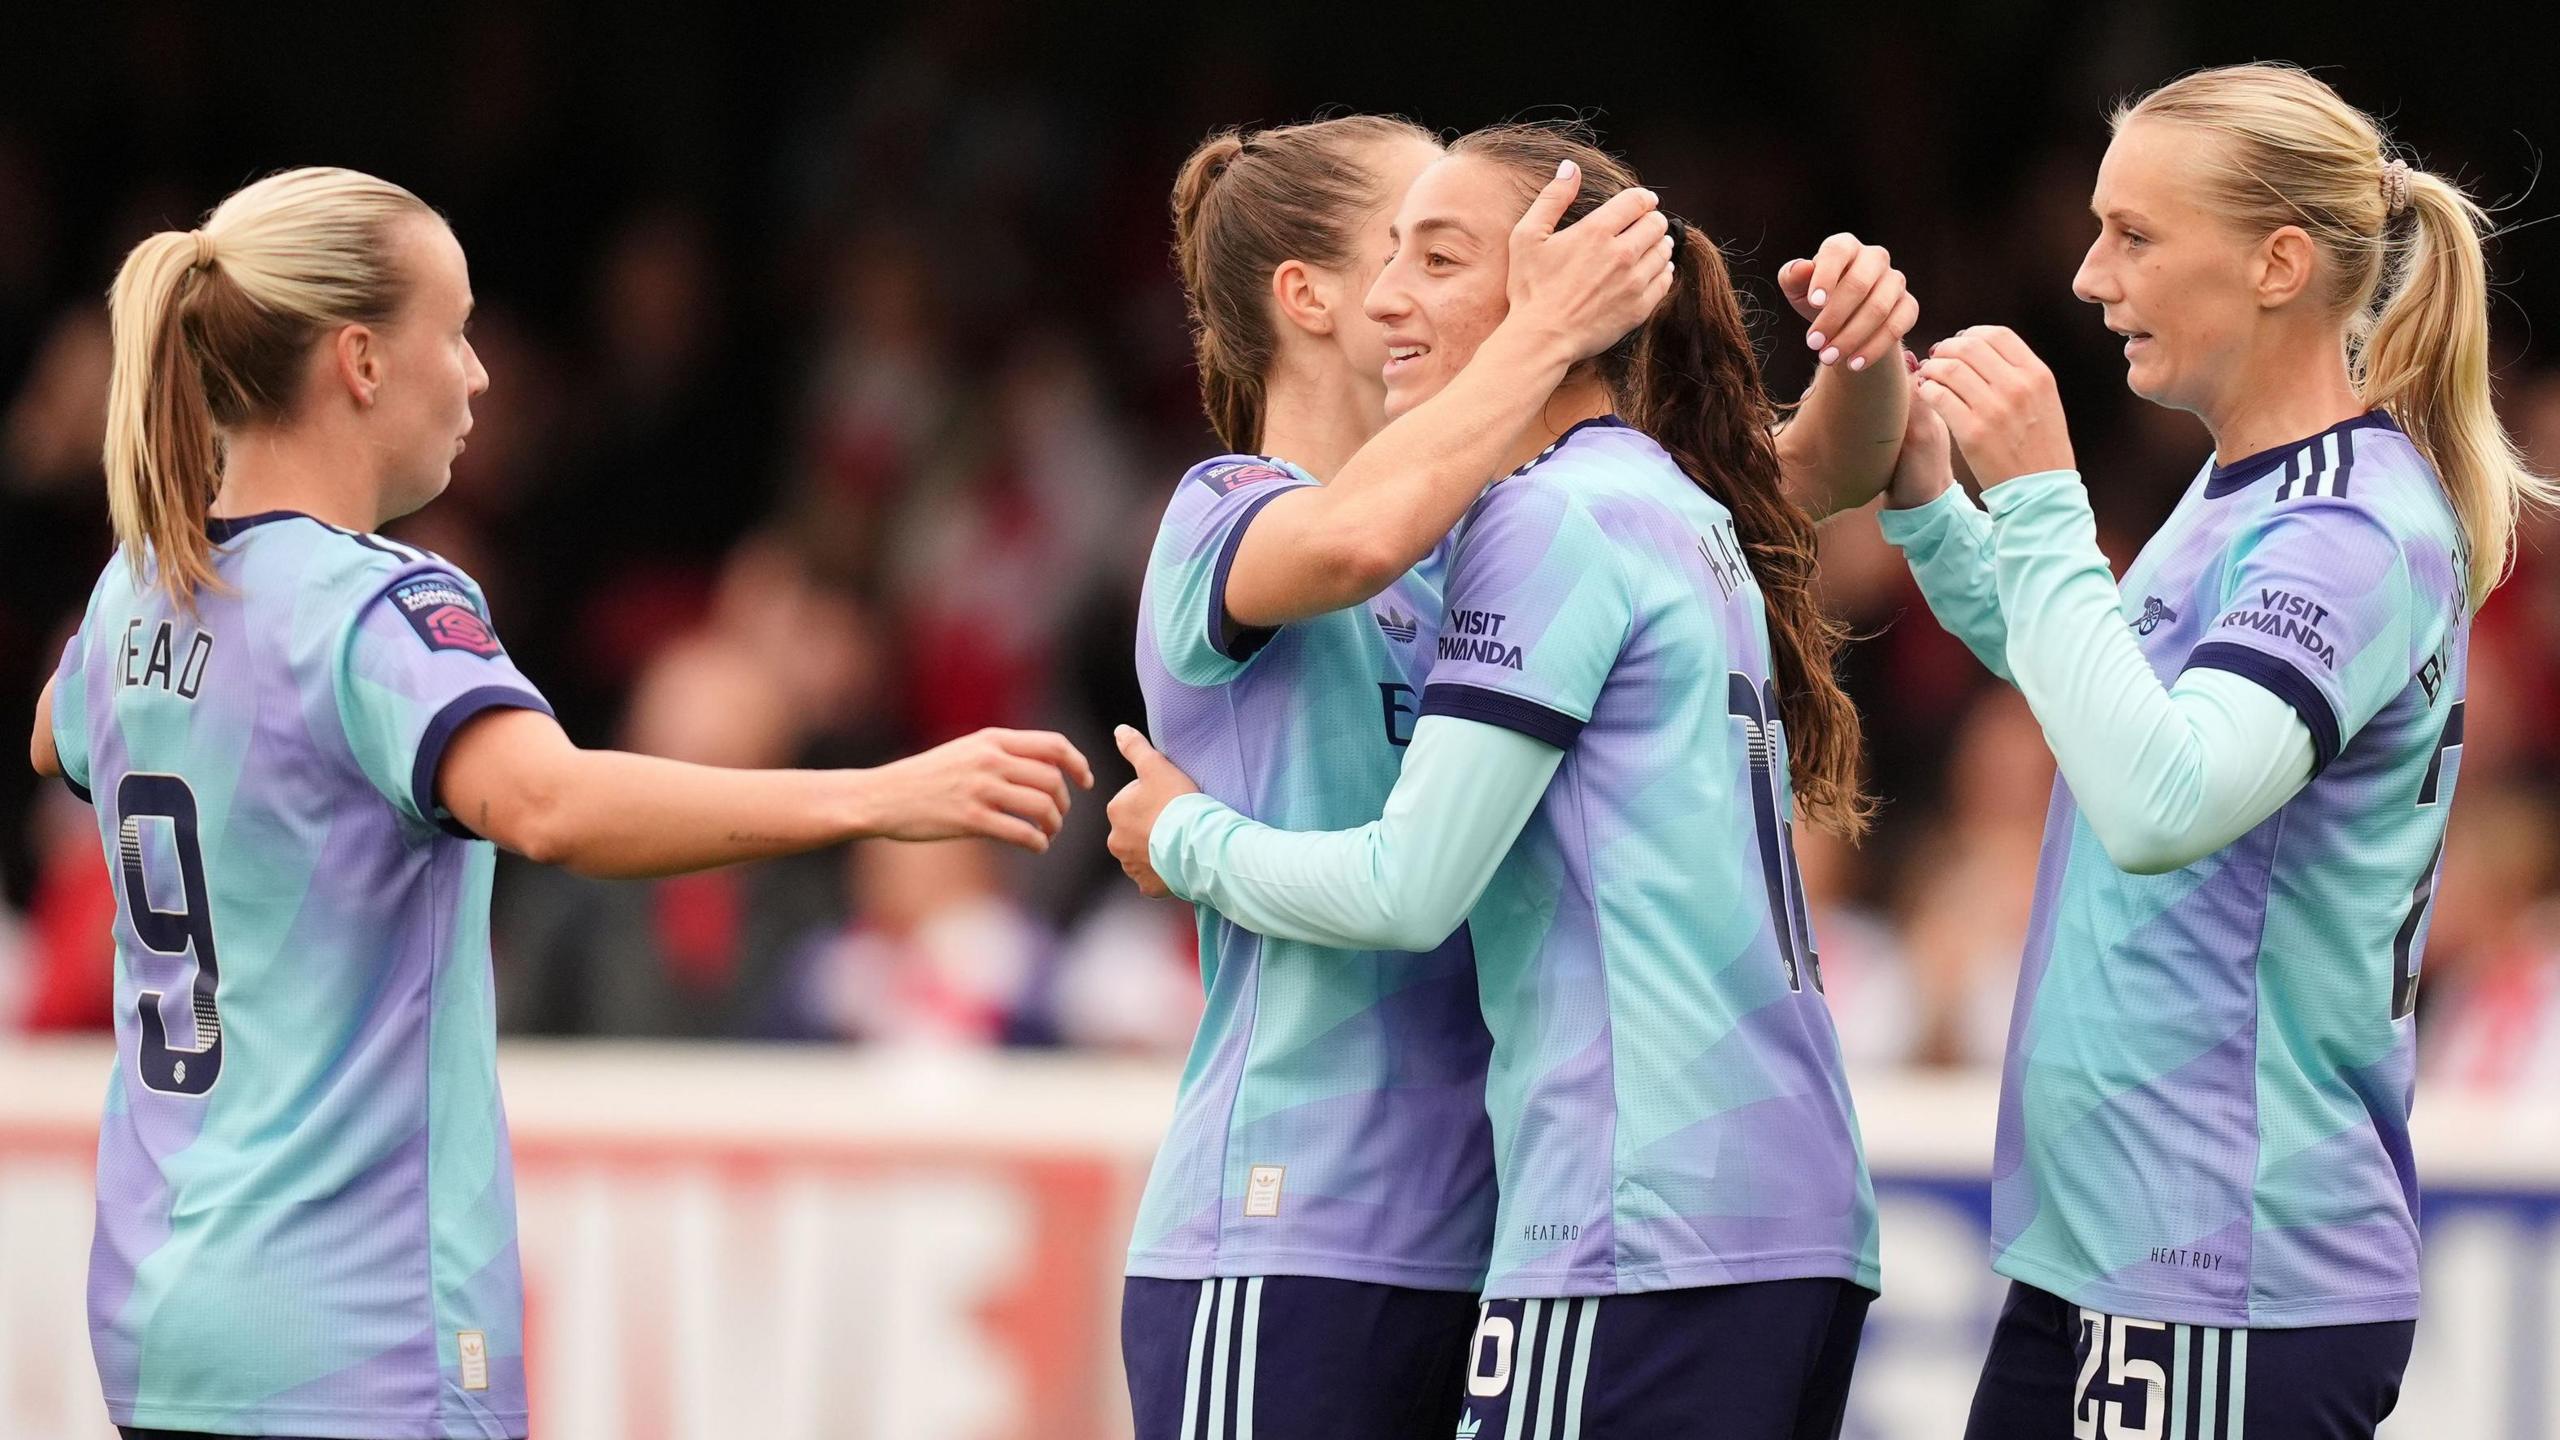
{"x": 839, "y": 374}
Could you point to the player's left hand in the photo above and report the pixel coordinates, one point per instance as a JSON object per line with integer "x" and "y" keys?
{"x": 1856, "y": 305}
{"x": 1999, "y": 401}
{"x": 1925, "y": 466}
{"x": 1134, "y": 810}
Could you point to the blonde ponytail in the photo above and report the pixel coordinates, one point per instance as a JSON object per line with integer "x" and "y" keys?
{"x": 2405, "y": 269}
{"x": 2427, "y": 362}
{"x": 211, "y": 330}
{"x": 163, "y": 461}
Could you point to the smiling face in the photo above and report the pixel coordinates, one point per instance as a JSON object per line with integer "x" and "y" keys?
{"x": 2175, "y": 279}
{"x": 430, "y": 373}
{"x": 1442, "y": 291}
{"x": 1357, "y": 335}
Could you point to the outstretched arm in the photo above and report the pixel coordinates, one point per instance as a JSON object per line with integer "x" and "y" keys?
{"x": 513, "y": 776}
{"x": 1838, "y": 449}
{"x": 1402, "y": 882}
{"x": 1573, "y": 293}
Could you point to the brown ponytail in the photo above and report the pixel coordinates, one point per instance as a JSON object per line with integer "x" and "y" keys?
{"x": 1243, "y": 204}
{"x": 1691, "y": 379}
{"x": 211, "y": 327}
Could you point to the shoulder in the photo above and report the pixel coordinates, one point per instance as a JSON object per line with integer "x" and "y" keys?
{"x": 374, "y": 582}
{"x": 1605, "y": 462}
{"x": 2365, "y": 467}
{"x": 1217, "y": 493}
{"x": 1542, "y": 521}
{"x": 1222, "y": 479}
{"x": 322, "y": 559}
{"x": 1224, "y": 475}
{"x": 1601, "y": 473}
{"x": 2366, "y": 478}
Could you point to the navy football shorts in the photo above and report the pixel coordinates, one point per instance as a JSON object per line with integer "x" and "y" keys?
{"x": 1766, "y": 1360}
{"x": 1293, "y": 1357}
{"x": 2058, "y": 1372}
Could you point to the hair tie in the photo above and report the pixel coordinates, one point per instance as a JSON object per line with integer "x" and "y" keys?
{"x": 2395, "y": 187}
{"x": 1679, "y": 234}
{"x": 204, "y": 250}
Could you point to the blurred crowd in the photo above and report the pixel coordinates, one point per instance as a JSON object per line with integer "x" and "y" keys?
{"x": 834, "y": 401}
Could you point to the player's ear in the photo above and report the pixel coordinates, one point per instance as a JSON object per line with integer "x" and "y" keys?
{"x": 1303, "y": 297}
{"x": 356, "y": 363}
{"x": 2283, "y": 266}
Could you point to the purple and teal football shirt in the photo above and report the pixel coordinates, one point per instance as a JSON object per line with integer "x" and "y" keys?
{"x": 1667, "y": 1095}
{"x": 306, "y": 1210}
{"x": 2204, "y": 1114}
{"x": 1331, "y": 1116}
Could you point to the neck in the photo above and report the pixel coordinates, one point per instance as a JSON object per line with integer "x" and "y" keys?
{"x": 1576, "y": 400}
{"x": 269, "y": 468}
{"x": 1318, "y": 417}
{"x": 2314, "y": 393}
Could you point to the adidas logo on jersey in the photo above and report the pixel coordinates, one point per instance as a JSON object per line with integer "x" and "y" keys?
{"x": 2154, "y": 615}
{"x": 1398, "y": 626}
{"x": 1468, "y": 1425}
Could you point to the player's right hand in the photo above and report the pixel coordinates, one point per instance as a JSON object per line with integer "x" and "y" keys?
{"x": 1590, "y": 283}
{"x": 1135, "y": 810}
{"x": 1857, "y": 308}
{"x": 1008, "y": 785}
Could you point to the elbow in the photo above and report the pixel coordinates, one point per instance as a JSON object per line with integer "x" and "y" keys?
{"x": 1365, "y": 565}
{"x": 538, "y": 823}
{"x": 2146, "y": 850}
{"x": 544, "y": 846}
{"x": 1417, "y": 933}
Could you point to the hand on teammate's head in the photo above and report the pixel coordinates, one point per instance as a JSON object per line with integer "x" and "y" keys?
{"x": 1596, "y": 279}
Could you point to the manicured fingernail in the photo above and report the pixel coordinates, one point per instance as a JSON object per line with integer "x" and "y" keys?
{"x": 1814, "y": 341}
{"x": 1563, "y": 168}
{"x": 1831, "y": 356}
{"x": 1820, "y": 297}
{"x": 1859, "y": 363}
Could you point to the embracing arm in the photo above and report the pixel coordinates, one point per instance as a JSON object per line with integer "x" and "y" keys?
{"x": 1402, "y": 882}
{"x": 2166, "y": 775}
{"x": 1318, "y": 549}
{"x": 513, "y": 776}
